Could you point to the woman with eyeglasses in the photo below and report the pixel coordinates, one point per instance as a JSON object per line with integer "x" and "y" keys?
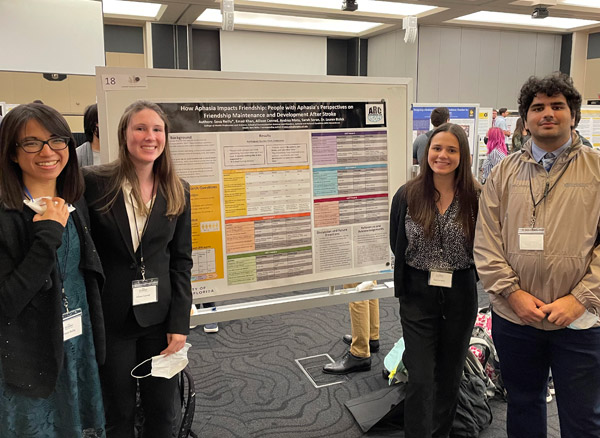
{"x": 141, "y": 222}
{"x": 51, "y": 324}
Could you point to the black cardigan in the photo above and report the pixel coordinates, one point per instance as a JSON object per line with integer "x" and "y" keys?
{"x": 398, "y": 240}
{"x": 31, "y": 331}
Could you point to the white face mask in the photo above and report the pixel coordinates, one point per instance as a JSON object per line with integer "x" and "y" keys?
{"x": 166, "y": 366}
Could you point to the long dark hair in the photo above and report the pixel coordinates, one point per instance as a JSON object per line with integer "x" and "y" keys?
{"x": 69, "y": 183}
{"x": 122, "y": 169}
{"x": 421, "y": 194}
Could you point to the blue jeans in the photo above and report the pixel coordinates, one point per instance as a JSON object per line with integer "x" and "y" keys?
{"x": 526, "y": 356}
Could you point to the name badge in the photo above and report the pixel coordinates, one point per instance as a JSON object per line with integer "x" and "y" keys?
{"x": 145, "y": 291}
{"x": 440, "y": 278}
{"x": 531, "y": 239}
{"x": 72, "y": 324}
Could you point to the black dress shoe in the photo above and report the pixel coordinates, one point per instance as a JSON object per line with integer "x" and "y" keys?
{"x": 373, "y": 345}
{"x": 349, "y": 363}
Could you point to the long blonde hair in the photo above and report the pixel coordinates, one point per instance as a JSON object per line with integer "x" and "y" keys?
{"x": 122, "y": 169}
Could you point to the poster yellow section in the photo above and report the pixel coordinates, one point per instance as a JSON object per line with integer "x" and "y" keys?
{"x": 207, "y": 242}
{"x": 235, "y": 193}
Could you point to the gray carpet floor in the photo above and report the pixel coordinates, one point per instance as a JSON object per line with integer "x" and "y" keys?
{"x": 249, "y": 385}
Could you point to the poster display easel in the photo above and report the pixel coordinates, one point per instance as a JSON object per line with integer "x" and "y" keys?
{"x": 291, "y": 176}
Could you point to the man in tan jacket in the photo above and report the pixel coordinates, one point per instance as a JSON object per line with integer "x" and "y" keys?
{"x": 537, "y": 254}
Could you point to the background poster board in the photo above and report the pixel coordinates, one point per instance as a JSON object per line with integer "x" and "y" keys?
{"x": 291, "y": 176}
{"x": 465, "y": 115}
{"x": 511, "y": 124}
{"x": 589, "y": 125}
{"x": 483, "y": 126}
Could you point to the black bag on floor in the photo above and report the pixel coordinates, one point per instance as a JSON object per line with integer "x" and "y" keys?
{"x": 187, "y": 393}
{"x": 385, "y": 407}
{"x": 473, "y": 413}
{"x": 185, "y": 405}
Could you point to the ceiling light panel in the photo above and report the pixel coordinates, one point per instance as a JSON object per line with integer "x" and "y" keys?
{"x": 289, "y": 22}
{"x": 138, "y": 9}
{"x": 378, "y": 7}
{"x": 584, "y": 3}
{"x": 524, "y": 20}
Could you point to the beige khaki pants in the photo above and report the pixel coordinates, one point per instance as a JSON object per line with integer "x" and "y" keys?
{"x": 364, "y": 316}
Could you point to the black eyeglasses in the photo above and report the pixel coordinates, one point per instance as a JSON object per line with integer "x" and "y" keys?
{"x": 34, "y": 145}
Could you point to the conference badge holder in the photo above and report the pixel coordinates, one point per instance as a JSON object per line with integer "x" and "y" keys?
{"x": 531, "y": 239}
{"x": 440, "y": 278}
{"x": 145, "y": 291}
{"x": 72, "y": 324}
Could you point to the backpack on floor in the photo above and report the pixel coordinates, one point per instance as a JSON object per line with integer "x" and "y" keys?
{"x": 482, "y": 346}
{"x": 385, "y": 407}
{"x": 473, "y": 412}
{"x": 187, "y": 393}
{"x": 185, "y": 405}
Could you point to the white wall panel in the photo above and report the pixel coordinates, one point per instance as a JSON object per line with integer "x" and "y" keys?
{"x": 429, "y": 68}
{"x": 508, "y": 85}
{"x": 54, "y": 36}
{"x": 390, "y": 56}
{"x": 545, "y": 53}
{"x": 465, "y": 65}
{"x": 449, "y": 77}
{"x": 263, "y": 52}
{"x": 489, "y": 72}
{"x": 469, "y": 71}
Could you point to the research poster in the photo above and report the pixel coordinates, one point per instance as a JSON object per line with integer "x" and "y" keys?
{"x": 282, "y": 191}
{"x": 589, "y": 125}
{"x": 465, "y": 116}
{"x": 485, "y": 123}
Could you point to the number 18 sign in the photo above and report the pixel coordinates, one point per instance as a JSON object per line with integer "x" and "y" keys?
{"x": 123, "y": 81}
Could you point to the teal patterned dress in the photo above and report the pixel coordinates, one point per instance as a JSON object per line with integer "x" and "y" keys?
{"x": 75, "y": 407}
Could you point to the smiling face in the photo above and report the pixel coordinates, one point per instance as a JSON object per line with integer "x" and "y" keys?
{"x": 550, "y": 121}
{"x": 43, "y": 167}
{"x": 145, "y": 137}
{"x": 444, "y": 153}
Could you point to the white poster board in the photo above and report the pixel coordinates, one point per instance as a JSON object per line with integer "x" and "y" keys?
{"x": 589, "y": 125}
{"x": 483, "y": 126}
{"x": 291, "y": 176}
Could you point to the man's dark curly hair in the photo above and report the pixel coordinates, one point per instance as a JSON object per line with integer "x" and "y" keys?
{"x": 551, "y": 85}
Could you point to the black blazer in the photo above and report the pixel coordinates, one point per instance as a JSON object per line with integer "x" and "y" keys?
{"x": 31, "y": 332}
{"x": 167, "y": 245}
{"x": 398, "y": 240}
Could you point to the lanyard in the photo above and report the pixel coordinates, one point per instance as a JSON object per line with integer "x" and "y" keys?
{"x": 62, "y": 270}
{"x": 28, "y": 194}
{"x": 142, "y": 264}
{"x": 547, "y": 190}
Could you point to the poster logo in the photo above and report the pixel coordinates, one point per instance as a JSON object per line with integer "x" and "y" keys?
{"x": 375, "y": 113}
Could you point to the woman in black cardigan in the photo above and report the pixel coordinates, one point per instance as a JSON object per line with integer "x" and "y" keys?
{"x": 432, "y": 223}
{"x": 51, "y": 325}
{"x": 141, "y": 223}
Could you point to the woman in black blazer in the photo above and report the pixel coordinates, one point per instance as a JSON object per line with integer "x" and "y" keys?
{"x": 140, "y": 216}
{"x": 49, "y": 273}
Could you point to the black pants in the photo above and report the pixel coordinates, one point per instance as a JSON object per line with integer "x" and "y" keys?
{"x": 119, "y": 388}
{"x": 436, "y": 324}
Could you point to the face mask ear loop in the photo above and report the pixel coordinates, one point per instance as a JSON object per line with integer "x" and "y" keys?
{"x": 138, "y": 365}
